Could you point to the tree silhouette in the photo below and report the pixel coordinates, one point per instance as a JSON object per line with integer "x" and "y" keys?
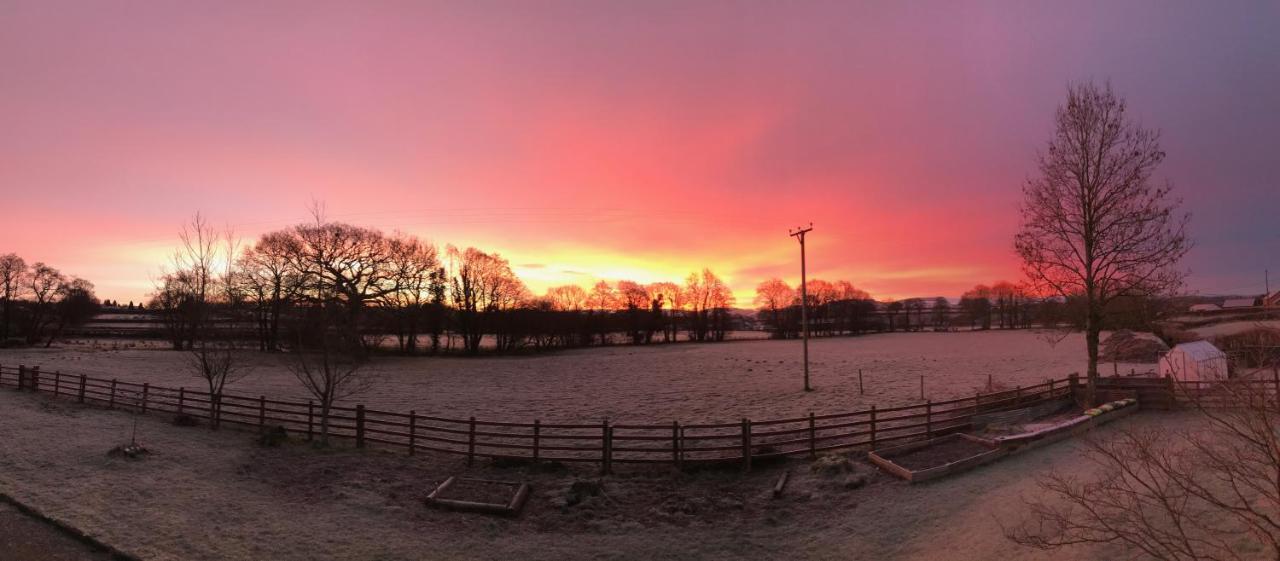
{"x": 1093, "y": 225}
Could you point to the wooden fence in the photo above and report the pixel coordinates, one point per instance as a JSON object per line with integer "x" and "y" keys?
{"x": 605, "y": 443}
{"x": 1168, "y": 393}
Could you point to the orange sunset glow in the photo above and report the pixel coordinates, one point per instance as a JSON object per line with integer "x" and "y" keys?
{"x": 603, "y": 142}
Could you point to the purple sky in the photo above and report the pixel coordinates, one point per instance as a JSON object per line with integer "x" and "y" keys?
{"x": 641, "y": 140}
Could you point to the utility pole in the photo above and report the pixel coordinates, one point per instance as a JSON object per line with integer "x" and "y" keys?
{"x": 799, "y": 233}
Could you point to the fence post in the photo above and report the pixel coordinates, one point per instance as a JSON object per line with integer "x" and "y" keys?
{"x": 413, "y": 428}
{"x": 360, "y": 426}
{"x": 537, "y": 435}
{"x": 182, "y": 398}
{"x": 35, "y": 379}
{"x": 873, "y": 427}
{"x": 471, "y": 443}
{"x": 1017, "y": 397}
{"x": 146, "y": 391}
{"x": 1073, "y": 384}
{"x": 57, "y": 380}
{"x": 1275, "y": 377}
{"x": 746, "y": 445}
{"x": 813, "y": 437}
{"x": 1050, "y": 388}
{"x": 928, "y": 419}
{"x": 112, "y": 403}
{"x": 22, "y": 377}
{"x": 675, "y": 443}
{"x": 606, "y": 447}
{"x": 82, "y": 380}
{"x": 860, "y": 392}
{"x": 215, "y": 409}
{"x": 922, "y": 386}
{"x": 262, "y": 414}
{"x": 311, "y": 418}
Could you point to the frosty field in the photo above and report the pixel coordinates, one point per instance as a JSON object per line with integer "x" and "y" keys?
{"x": 686, "y": 382}
{"x": 210, "y": 495}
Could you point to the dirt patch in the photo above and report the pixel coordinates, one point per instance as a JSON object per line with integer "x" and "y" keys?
{"x": 950, "y": 450}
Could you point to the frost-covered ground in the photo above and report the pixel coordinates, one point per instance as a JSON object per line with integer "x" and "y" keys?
{"x": 686, "y": 382}
{"x": 205, "y": 495}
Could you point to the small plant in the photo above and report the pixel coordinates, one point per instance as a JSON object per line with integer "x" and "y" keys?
{"x": 273, "y": 436}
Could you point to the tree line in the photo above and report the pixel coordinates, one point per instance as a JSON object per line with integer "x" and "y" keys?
{"x": 840, "y": 308}
{"x": 379, "y": 290}
{"x": 38, "y": 302}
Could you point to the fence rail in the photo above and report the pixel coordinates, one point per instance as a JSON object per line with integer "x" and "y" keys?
{"x": 605, "y": 443}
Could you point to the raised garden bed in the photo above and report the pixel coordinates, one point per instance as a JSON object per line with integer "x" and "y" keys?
{"x": 930, "y": 459}
{"x": 480, "y": 495}
{"x": 1061, "y": 428}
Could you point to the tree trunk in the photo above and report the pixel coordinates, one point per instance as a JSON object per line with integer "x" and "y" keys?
{"x": 1093, "y": 328}
{"x": 324, "y": 422}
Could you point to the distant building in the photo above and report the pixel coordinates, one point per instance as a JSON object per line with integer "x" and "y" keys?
{"x": 1194, "y": 362}
{"x": 1272, "y": 301}
{"x": 1239, "y": 303}
{"x": 1205, "y": 308}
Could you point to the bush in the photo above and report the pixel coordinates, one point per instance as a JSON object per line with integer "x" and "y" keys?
{"x": 273, "y": 436}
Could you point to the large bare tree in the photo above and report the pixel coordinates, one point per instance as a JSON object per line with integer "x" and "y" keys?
{"x": 1093, "y": 223}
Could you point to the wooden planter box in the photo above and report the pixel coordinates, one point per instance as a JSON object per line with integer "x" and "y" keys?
{"x": 1060, "y": 431}
{"x": 884, "y": 458}
{"x": 520, "y": 494}
{"x": 1000, "y": 446}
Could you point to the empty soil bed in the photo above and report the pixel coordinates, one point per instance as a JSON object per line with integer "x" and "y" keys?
{"x": 479, "y": 491}
{"x": 952, "y": 450}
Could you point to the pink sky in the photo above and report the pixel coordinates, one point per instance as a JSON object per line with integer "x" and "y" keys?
{"x": 641, "y": 140}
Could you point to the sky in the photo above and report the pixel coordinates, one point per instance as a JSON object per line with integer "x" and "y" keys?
{"x": 639, "y": 140}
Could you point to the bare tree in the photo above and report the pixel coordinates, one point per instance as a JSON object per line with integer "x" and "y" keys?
{"x": 1093, "y": 224}
{"x": 43, "y": 284}
{"x": 482, "y": 287}
{"x": 941, "y": 314}
{"x": 271, "y": 283}
{"x": 601, "y": 303}
{"x": 1209, "y": 493}
{"x": 668, "y": 295}
{"x": 414, "y": 265}
{"x": 635, "y": 299}
{"x": 214, "y": 360}
{"x": 892, "y": 308}
{"x": 774, "y": 296}
{"x": 346, "y": 265}
{"x": 13, "y": 272}
{"x": 708, "y": 299}
{"x": 567, "y": 298}
{"x": 184, "y": 296}
{"x": 328, "y": 363}
{"x": 76, "y": 305}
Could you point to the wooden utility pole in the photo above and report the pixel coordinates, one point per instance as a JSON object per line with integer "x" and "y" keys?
{"x": 799, "y": 233}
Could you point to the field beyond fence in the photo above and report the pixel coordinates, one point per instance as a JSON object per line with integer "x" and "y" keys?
{"x": 740, "y": 441}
